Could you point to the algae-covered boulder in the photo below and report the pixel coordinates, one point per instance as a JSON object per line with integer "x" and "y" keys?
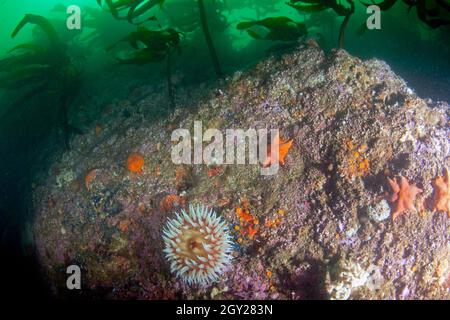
{"x": 355, "y": 146}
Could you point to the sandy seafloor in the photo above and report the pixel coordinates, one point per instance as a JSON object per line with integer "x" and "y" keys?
{"x": 323, "y": 225}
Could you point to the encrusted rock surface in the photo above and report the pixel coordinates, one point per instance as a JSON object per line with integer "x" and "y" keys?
{"x": 354, "y": 124}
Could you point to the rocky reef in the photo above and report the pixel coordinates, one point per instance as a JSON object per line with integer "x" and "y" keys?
{"x": 364, "y": 146}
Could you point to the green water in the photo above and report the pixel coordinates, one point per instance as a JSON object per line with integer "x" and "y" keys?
{"x": 31, "y": 130}
{"x": 415, "y": 51}
{"x": 405, "y": 42}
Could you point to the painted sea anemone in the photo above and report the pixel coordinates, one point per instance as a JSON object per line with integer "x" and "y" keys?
{"x": 197, "y": 245}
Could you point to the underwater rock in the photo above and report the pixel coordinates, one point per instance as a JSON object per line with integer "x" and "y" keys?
{"x": 350, "y": 124}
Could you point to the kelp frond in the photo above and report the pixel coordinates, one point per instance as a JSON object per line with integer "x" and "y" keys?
{"x": 41, "y": 22}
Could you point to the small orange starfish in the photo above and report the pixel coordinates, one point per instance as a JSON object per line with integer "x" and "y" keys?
{"x": 283, "y": 149}
{"x": 442, "y": 193}
{"x": 403, "y": 196}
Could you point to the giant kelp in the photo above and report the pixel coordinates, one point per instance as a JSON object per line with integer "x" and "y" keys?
{"x": 152, "y": 46}
{"x": 209, "y": 41}
{"x": 96, "y": 29}
{"x": 131, "y": 10}
{"x": 41, "y": 69}
{"x": 138, "y": 11}
{"x": 312, "y": 6}
{"x": 279, "y": 29}
{"x": 285, "y": 29}
{"x": 434, "y": 13}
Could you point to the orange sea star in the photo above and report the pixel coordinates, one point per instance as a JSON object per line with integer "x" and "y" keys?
{"x": 283, "y": 149}
{"x": 442, "y": 193}
{"x": 403, "y": 196}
